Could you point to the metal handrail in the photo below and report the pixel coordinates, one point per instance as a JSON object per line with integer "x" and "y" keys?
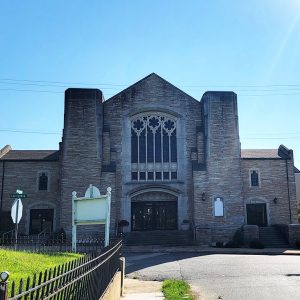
{"x": 43, "y": 232}
{"x": 7, "y": 233}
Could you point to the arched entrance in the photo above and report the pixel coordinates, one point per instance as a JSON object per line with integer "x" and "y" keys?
{"x": 153, "y": 210}
{"x": 40, "y": 217}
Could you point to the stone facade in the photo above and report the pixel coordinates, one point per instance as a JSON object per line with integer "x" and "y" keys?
{"x": 24, "y": 175}
{"x": 210, "y": 182}
{"x": 274, "y": 190}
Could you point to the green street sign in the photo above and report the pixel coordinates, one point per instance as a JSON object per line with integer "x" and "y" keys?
{"x": 18, "y": 195}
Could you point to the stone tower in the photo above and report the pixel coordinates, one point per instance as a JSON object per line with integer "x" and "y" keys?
{"x": 81, "y": 153}
{"x": 221, "y": 176}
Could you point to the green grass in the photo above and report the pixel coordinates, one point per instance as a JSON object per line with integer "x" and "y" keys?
{"x": 23, "y": 264}
{"x": 176, "y": 290}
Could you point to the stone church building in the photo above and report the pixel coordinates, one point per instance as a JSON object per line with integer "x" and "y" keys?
{"x": 171, "y": 161}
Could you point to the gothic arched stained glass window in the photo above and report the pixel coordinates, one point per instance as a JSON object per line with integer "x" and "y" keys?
{"x": 254, "y": 178}
{"x": 43, "y": 182}
{"x": 153, "y": 147}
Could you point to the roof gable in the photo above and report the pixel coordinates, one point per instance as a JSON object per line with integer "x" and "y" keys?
{"x": 150, "y": 79}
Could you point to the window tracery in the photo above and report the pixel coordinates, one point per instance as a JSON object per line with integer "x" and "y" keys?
{"x": 153, "y": 147}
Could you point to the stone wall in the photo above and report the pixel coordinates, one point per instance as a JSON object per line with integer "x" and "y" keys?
{"x": 250, "y": 233}
{"x": 152, "y": 94}
{"x": 294, "y": 233}
{"x": 221, "y": 177}
{"x": 273, "y": 184}
{"x": 24, "y": 175}
{"x": 81, "y": 148}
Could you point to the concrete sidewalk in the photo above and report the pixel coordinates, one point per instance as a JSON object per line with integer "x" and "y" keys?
{"x": 210, "y": 250}
{"x": 142, "y": 290}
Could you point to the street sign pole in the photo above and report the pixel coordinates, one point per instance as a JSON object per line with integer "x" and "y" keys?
{"x": 17, "y": 211}
{"x": 17, "y": 223}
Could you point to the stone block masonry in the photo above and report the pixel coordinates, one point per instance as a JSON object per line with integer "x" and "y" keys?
{"x": 81, "y": 152}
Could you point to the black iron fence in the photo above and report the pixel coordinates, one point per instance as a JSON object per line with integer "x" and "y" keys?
{"x": 83, "y": 279}
{"x": 47, "y": 244}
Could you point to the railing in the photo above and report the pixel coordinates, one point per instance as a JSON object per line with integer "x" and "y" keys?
{"x": 83, "y": 279}
{"x": 44, "y": 232}
{"x": 10, "y": 233}
{"x": 53, "y": 244}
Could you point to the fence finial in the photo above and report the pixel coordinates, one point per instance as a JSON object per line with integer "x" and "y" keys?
{"x": 3, "y": 285}
{"x": 4, "y": 276}
{"x": 109, "y": 190}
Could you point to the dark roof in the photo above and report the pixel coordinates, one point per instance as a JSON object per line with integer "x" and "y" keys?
{"x": 259, "y": 153}
{"x": 46, "y": 155}
{"x": 296, "y": 170}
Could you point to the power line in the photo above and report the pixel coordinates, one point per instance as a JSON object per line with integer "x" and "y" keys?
{"x": 266, "y": 95}
{"x": 36, "y": 91}
{"x": 27, "y": 131}
{"x": 51, "y": 85}
{"x": 59, "y": 82}
{"x": 116, "y": 88}
{"x": 120, "y": 85}
{"x": 271, "y": 138}
{"x": 57, "y": 132}
{"x": 61, "y": 92}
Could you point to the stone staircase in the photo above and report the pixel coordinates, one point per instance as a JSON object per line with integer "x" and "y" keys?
{"x": 161, "y": 238}
{"x": 272, "y": 238}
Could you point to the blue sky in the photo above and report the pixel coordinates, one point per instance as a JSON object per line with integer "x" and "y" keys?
{"x": 250, "y": 47}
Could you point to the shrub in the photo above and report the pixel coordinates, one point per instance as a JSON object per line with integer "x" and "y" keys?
{"x": 238, "y": 237}
{"x": 219, "y": 244}
{"x": 231, "y": 244}
{"x": 256, "y": 244}
{"x": 297, "y": 244}
{"x": 176, "y": 290}
{"x": 123, "y": 223}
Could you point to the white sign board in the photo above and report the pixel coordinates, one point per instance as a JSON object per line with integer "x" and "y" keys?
{"x": 16, "y": 211}
{"x": 89, "y": 210}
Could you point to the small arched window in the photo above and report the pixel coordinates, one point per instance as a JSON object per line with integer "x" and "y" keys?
{"x": 43, "y": 182}
{"x": 254, "y": 178}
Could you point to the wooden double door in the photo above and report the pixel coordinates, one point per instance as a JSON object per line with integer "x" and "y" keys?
{"x": 40, "y": 220}
{"x": 154, "y": 215}
{"x": 257, "y": 214}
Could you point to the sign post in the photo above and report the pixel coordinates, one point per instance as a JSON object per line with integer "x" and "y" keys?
{"x": 16, "y": 212}
{"x": 89, "y": 210}
{"x": 107, "y": 223}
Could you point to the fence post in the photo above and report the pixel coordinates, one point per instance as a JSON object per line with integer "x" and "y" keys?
{"x": 3, "y": 286}
{"x": 122, "y": 269}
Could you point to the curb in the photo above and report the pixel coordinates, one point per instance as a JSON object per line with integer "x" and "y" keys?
{"x": 207, "y": 251}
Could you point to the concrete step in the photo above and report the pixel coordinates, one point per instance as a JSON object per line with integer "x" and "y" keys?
{"x": 166, "y": 238}
{"x": 270, "y": 237}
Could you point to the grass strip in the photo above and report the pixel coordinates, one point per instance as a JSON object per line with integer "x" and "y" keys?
{"x": 176, "y": 290}
{"x": 23, "y": 264}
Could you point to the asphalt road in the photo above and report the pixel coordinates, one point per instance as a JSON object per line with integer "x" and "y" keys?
{"x": 223, "y": 276}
